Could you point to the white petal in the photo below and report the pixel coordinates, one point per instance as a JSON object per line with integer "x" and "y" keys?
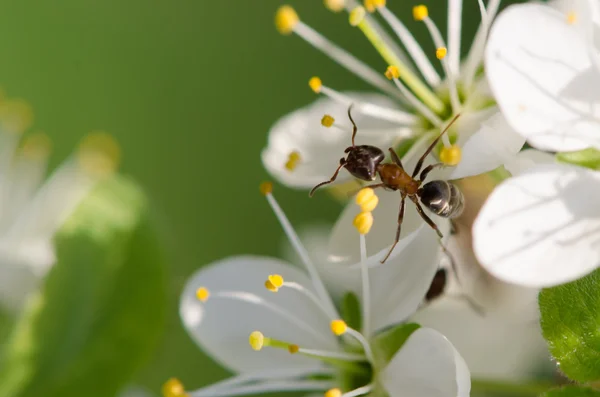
{"x": 18, "y": 279}
{"x": 539, "y": 68}
{"x": 427, "y": 366}
{"x": 491, "y": 146}
{"x": 503, "y": 346}
{"x": 526, "y": 159}
{"x": 222, "y": 326}
{"x": 321, "y": 148}
{"x": 541, "y": 228}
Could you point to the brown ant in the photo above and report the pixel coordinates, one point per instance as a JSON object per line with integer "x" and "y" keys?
{"x": 365, "y": 162}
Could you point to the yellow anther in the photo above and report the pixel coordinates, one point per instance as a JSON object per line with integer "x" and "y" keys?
{"x": 327, "y": 121}
{"x": 257, "y": 340}
{"x": 286, "y": 19}
{"x": 379, "y": 3}
{"x": 367, "y": 199}
{"x": 16, "y": 116}
{"x": 266, "y": 188}
{"x": 338, "y": 327}
{"x": 357, "y": 15}
{"x": 571, "y": 17}
{"x": 99, "y": 154}
{"x": 173, "y": 388}
{"x": 292, "y": 162}
{"x": 202, "y": 294}
{"x": 441, "y": 52}
{"x": 315, "y": 84}
{"x": 335, "y": 392}
{"x": 451, "y": 155}
{"x": 363, "y": 222}
{"x": 369, "y": 5}
{"x": 335, "y": 5}
{"x": 37, "y": 146}
{"x": 276, "y": 279}
{"x": 392, "y": 72}
{"x": 420, "y": 12}
{"x": 269, "y": 285}
{"x": 293, "y": 349}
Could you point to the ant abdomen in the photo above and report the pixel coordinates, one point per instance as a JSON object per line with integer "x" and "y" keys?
{"x": 442, "y": 198}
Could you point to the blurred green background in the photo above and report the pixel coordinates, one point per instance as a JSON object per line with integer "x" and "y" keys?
{"x": 190, "y": 89}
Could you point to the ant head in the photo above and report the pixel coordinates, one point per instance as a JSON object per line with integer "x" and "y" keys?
{"x": 362, "y": 161}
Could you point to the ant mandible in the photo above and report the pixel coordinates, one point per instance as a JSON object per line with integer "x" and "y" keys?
{"x": 364, "y": 162}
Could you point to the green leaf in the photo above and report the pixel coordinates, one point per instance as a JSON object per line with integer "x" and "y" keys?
{"x": 386, "y": 343}
{"x": 572, "y": 391}
{"x": 570, "y": 320}
{"x": 351, "y": 311}
{"x": 588, "y": 158}
{"x": 101, "y": 310}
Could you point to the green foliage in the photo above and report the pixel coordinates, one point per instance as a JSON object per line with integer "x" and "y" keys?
{"x": 570, "y": 319}
{"x": 388, "y": 342}
{"x": 588, "y": 158}
{"x": 572, "y": 391}
{"x": 101, "y": 310}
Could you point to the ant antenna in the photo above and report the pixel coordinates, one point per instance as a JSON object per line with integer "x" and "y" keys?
{"x": 430, "y": 148}
{"x": 354, "y": 128}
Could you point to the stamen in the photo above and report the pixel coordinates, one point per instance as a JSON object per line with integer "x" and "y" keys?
{"x": 393, "y": 73}
{"x": 309, "y": 295}
{"x": 412, "y": 46}
{"x": 451, "y": 155}
{"x": 339, "y": 328}
{"x": 422, "y": 14}
{"x": 367, "y": 199}
{"x": 369, "y": 6}
{"x": 363, "y": 222}
{"x": 357, "y": 18}
{"x": 265, "y": 387}
{"x": 441, "y": 52}
{"x": 266, "y": 188}
{"x": 366, "y": 287}
{"x": 332, "y": 355}
{"x": 475, "y": 56}
{"x": 286, "y": 19}
{"x": 300, "y": 250}
{"x": 257, "y": 340}
{"x": 16, "y": 116}
{"x": 202, "y": 294}
{"x": 173, "y": 388}
{"x": 335, "y": 392}
{"x": 392, "y": 115}
{"x": 334, "y": 5}
{"x": 292, "y": 161}
{"x": 327, "y": 121}
{"x": 99, "y": 154}
{"x": 571, "y": 17}
{"x": 359, "y": 392}
{"x": 37, "y": 146}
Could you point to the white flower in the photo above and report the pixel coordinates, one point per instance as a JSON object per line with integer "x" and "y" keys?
{"x": 225, "y": 303}
{"x": 33, "y": 209}
{"x": 543, "y": 64}
{"x": 541, "y": 227}
{"x": 301, "y": 152}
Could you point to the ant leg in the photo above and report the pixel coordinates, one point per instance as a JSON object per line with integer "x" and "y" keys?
{"x": 400, "y": 218}
{"x": 354, "y": 128}
{"x": 425, "y": 217}
{"x": 430, "y": 148}
{"x": 395, "y": 157}
{"x": 335, "y": 174}
{"x": 428, "y": 169}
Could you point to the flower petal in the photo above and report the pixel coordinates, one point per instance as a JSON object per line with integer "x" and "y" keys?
{"x": 427, "y": 365}
{"x": 494, "y": 144}
{"x": 320, "y": 148}
{"x": 541, "y": 228}
{"x": 221, "y": 326}
{"x": 539, "y": 69}
{"x": 526, "y": 159}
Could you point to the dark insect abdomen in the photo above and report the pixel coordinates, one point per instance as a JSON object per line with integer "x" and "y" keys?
{"x": 442, "y": 198}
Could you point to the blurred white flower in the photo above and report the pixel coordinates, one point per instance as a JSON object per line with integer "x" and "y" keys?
{"x": 543, "y": 65}
{"x": 301, "y": 152}
{"x": 32, "y": 208}
{"x": 226, "y": 303}
{"x": 541, "y": 227}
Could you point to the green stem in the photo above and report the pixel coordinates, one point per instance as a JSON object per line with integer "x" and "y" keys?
{"x": 512, "y": 389}
{"x": 412, "y": 81}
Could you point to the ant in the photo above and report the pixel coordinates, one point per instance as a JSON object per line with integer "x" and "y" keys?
{"x": 365, "y": 162}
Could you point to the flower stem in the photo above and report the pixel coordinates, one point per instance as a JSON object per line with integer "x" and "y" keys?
{"x": 512, "y": 389}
